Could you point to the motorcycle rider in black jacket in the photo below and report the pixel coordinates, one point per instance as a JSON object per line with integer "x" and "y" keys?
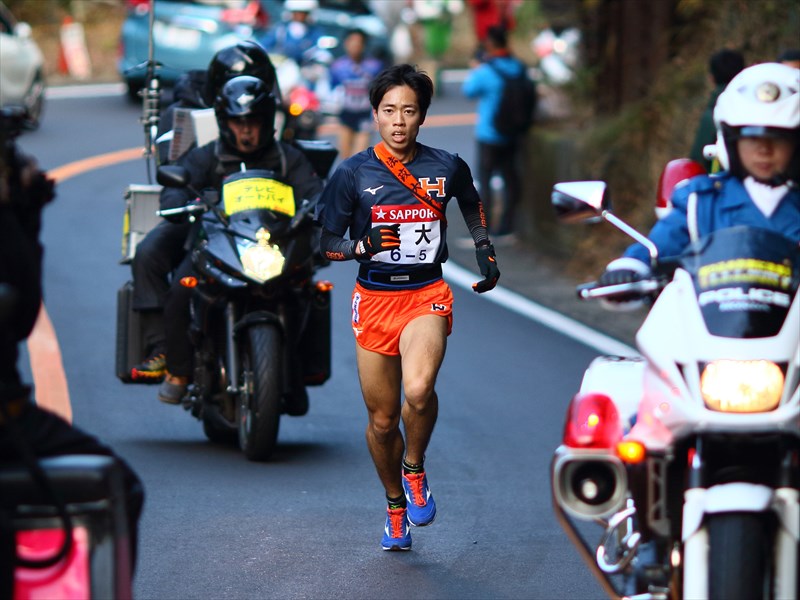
{"x": 163, "y": 248}
{"x": 245, "y": 112}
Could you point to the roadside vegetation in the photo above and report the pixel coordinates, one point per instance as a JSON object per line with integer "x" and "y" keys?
{"x": 636, "y": 106}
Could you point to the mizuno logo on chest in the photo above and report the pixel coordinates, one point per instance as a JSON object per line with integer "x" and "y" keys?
{"x": 372, "y": 190}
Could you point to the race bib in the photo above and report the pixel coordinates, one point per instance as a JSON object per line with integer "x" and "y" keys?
{"x": 420, "y": 233}
{"x": 258, "y": 193}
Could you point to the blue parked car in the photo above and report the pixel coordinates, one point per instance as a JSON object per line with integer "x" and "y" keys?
{"x": 186, "y": 35}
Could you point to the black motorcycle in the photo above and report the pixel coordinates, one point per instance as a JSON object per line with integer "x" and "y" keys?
{"x": 260, "y": 321}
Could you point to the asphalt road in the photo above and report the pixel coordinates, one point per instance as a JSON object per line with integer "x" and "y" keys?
{"x": 308, "y": 523}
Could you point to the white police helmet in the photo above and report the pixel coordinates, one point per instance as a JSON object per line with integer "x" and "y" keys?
{"x": 761, "y": 101}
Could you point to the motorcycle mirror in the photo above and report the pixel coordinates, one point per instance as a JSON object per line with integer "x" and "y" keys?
{"x": 580, "y": 201}
{"x": 588, "y": 202}
{"x": 173, "y": 176}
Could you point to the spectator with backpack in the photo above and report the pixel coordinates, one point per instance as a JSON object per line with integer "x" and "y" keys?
{"x": 506, "y": 104}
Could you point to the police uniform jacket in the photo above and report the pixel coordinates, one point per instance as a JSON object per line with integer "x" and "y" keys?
{"x": 721, "y": 202}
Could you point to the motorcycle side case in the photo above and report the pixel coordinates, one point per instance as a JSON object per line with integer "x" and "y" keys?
{"x": 320, "y": 153}
{"x": 315, "y": 345}
{"x": 141, "y": 204}
{"x": 130, "y": 344}
{"x": 98, "y": 565}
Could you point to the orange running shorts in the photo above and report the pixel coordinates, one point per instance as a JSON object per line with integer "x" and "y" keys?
{"x": 379, "y": 316}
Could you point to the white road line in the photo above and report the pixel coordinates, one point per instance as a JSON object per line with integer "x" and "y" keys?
{"x": 531, "y": 310}
{"x": 85, "y": 91}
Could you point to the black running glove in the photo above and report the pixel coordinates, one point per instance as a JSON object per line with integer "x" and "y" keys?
{"x": 487, "y": 263}
{"x": 379, "y": 239}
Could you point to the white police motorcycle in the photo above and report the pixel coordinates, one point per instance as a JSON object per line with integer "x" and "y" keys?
{"x": 688, "y": 456}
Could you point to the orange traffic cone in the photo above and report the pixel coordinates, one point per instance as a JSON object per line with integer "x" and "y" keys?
{"x": 63, "y": 67}
{"x": 75, "y": 52}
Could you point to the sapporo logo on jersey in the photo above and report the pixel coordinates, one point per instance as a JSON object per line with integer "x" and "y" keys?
{"x": 420, "y": 233}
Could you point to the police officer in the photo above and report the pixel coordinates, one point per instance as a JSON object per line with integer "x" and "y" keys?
{"x": 757, "y": 118}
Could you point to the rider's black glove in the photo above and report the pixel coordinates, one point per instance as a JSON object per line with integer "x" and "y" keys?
{"x": 379, "y": 239}
{"x": 617, "y": 277}
{"x": 487, "y": 263}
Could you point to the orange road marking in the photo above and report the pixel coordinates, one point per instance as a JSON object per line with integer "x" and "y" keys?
{"x": 52, "y": 391}
{"x": 94, "y": 162}
{"x": 47, "y": 367}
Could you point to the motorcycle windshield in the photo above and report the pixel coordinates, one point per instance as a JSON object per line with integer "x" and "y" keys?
{"x": 745, "y": 280}
{"x": 256, "y": 190}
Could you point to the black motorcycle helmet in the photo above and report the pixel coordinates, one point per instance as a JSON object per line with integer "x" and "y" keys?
{"x": 245, "y": 96}
{"x": 244, "y": 58}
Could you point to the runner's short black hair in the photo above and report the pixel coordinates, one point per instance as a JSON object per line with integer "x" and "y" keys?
{"x": 358, "y": 31}
{"x": 403, "y": 74}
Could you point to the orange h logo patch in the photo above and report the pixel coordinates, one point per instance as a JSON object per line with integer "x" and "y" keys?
{"x": 425, "y": 183}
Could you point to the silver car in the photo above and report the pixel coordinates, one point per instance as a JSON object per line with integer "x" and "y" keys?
{"x": 21, "y": 68}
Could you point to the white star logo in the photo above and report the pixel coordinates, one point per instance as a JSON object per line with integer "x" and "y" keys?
{"x": 380, "y": 214}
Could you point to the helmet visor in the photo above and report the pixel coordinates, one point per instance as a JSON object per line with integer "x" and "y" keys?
{"x": 753, "y": 131}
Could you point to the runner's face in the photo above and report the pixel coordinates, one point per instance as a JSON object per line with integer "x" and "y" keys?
{"x": 398, "y": 118}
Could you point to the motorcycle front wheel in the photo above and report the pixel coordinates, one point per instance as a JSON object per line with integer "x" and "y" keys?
{"x": 259, "y": 408}
{"x": 739, "y": 551}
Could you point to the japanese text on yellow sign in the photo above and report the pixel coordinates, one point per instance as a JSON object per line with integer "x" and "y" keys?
{"x": 258, "y": 193}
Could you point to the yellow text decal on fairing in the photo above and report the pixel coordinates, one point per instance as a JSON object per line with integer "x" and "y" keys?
{"x": 745, "y": 270}
{"x": 258, "y": 194}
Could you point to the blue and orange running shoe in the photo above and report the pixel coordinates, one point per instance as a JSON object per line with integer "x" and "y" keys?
{"x": 421, "y": 507}
{"x": 396, "y": 533}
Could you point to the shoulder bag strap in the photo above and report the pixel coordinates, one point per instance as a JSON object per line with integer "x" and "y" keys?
{"x": 405, "y": 177}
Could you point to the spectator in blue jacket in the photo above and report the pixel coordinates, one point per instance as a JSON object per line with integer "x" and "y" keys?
{"x": 497, "y": 154}
{"x": 757, "y": 118}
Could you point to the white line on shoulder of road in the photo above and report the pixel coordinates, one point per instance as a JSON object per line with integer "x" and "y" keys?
{"x": 550, "y": 318}
{"x": 85, "y": 91}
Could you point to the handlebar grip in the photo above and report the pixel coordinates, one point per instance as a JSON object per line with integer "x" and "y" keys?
{"x": 181, "y": 210}
{"x": 643, "y": 288}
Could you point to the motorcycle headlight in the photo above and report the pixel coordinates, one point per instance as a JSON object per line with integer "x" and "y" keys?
{"x": 741, "y": 386}
{"x": 262, "y": 261}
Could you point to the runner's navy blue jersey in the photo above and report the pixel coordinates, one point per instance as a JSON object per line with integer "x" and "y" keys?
{"x": 363, "y": 193}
